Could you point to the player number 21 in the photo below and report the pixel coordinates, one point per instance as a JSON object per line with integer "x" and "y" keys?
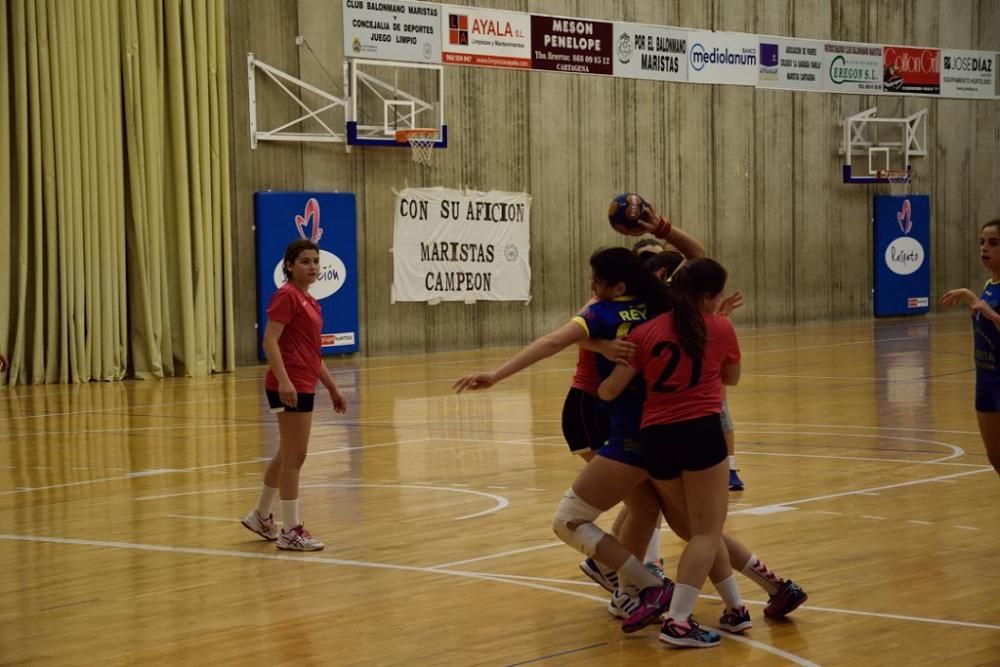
{"x": 661, "y": 385}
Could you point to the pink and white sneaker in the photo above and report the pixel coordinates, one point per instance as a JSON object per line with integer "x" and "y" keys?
{"x": 263, "y": 526}
{"x": 298, "y": 539}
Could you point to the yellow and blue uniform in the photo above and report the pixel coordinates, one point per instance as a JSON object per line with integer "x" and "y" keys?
{"x": 610, "y": 320}
{"x": 987, "y": 351}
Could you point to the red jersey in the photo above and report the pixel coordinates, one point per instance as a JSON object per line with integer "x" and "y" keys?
{"x": 300, "y": 340}
{"x": 586, "y": 377}
{"x": 679, "y": 388}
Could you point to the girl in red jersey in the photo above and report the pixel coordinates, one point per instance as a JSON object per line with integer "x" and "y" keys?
{"x": 292, "y": 344}
{"x": 686, "y": 356}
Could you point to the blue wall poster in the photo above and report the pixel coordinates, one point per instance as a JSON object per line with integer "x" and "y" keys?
{"x": 901, "y": 261}
{"x": 283, "y": 217}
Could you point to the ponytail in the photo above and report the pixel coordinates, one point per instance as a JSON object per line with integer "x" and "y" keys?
{"x": 695, "y": 280}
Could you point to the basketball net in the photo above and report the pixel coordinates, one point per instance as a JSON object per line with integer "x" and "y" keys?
{"x": 898, "y": 179}
{"x": 421, "y": 144}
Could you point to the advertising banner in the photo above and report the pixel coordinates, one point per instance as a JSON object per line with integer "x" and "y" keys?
{"x": 485, "y": 37}
{"x": 793, "y": 64}
{"x": 722, "y": 57}
{"x": 452, "y": 245}
{"x": 650, "y": 52}
{"x": 571, "y": 45}
{"x": 907, "y": 69}
{"x": 398, "y": 30}
{"x": 901, "y": 261}
{"x": 283, "y": 217}
{"x": 852, "y": 68}
{"x": 968, "y": 74}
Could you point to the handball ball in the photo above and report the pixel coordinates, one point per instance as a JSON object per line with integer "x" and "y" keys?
{"x": 625, "y": 212}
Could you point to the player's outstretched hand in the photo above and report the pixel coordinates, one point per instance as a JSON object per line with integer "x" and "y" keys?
{"x": 474, "y": 381}
{"x": 960, "y": 295}
{"x": 730, "y": 303}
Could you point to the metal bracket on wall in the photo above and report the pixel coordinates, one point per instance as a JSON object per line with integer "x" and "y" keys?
{"x": 279, "y": 133}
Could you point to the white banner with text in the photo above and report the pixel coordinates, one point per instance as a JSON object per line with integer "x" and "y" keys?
{"x": 453, "y": 245}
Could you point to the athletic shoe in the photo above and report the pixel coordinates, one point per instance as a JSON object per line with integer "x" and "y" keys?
{"x": 654, "y": 601}
{"x": 688, "y": 633}
{"x": 656, "y": 567}
{"x": 623, "y": 603}
{"x": 735, "y": 620}
{"x": 788, "y": 598}
{"x": 607, "y": 579}
{"x": 254, "y": 522}
{"x": 298, "y": 539}
{"x": 735, "y": 483}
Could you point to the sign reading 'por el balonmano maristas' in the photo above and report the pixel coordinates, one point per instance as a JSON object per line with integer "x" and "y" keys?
{"x": 450, "y": 245}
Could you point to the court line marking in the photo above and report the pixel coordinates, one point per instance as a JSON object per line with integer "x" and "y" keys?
{"x": 745, "y": 452}
{"x": 134, "y": 474}
{"x": 791, "y": 657}
{"x": 548, "y": 545}
{"x": 805, "y": 607}
{"x": 956, "y": 451}
{"x": 857, "y": 491}
{"x": 501, "y": 501}
{"x": 873, "y": 428}
{"x": 859, "y": 378}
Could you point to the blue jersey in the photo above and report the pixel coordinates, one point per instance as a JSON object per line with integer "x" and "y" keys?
{"x": 610, "y": 320}
{"x": 987, "y": 339}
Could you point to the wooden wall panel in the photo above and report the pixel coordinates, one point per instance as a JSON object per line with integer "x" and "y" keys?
{"x": 755, "y": 174}
{"x": 267, "y": 28}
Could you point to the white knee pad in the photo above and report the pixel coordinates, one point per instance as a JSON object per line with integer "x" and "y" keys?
{"x": 586, "y": 536}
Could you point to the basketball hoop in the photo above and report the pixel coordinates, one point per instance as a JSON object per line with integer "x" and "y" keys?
{"x": 898, "y": 179}
{"x": 421, "y": 142}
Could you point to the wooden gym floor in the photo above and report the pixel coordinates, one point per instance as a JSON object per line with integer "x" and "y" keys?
{"x": 866, "y": 483}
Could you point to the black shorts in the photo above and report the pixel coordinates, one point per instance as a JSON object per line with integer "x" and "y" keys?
{"x": 584, "y": 421}
{"x": 305, "y": 403}
{"x": 696, "y": 444}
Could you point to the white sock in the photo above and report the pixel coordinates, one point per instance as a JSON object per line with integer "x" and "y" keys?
{"x": 756, "y": 570}
{"x": 732, "y": 463}
{"x": 635, "y": 573}
{"x": 266, "y": 500}
{"x": 682, "y": 603}
{"x": 730, "y": 592}
{"x": 290, "y": 512}
{"x": 653, "y": 549}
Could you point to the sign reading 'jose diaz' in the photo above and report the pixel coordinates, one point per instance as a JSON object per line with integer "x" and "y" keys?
{"x": 450, "y": 245}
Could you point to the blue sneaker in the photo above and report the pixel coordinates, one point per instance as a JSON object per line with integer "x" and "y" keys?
{"x": 736, "y": 620}
{"x": 656, "y": 567}
{"x": 688, "y": 634}
{"x": 735, "y": 483}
